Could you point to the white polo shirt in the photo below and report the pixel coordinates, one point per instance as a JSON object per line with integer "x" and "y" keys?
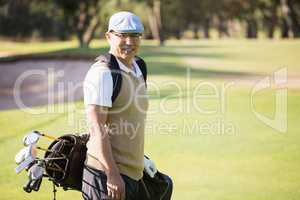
{"x": 98, "y": 83}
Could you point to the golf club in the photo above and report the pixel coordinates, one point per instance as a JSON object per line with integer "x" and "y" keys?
{"x": 34, "y": 136}
{"x": 149, "y": 167}
{"x": 25, "y": 157}
{"x": 55, "y": 164}
{"x": 23, "y": 154}
{"x": 25, "y": 164}
{"x": 35, "y": 175}
{"x": 44, "y": 149}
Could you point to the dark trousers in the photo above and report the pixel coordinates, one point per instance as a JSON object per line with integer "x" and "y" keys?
{"x": 94, "y": 185}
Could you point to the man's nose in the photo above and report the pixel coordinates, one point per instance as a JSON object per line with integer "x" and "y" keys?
{"x": 129, "y": 40}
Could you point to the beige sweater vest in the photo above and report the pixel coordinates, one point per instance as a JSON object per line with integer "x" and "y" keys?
{"x": 126, "y": 124}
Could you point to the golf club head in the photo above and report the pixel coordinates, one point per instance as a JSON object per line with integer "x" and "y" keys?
{"x": 35, "y": 176}
{"x": 21, "y": 155}
{"x": 36, "y": 184}
{"x": 25, "y": 164}
{"x": 36, "y": 171}
{"x": 26, "y": 187}
{"x": 25, "y": 157}
{"x": 149, "y": 167}
{"x": 31, "y": 138}
{"x": 25, "y": 153}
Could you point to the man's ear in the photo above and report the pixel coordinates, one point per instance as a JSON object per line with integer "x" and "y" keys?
{"x": 108, "y": 37}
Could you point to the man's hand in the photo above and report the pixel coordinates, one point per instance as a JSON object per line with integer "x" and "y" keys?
{"x": 115, "y": 186}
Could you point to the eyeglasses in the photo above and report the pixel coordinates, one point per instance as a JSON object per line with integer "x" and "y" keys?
{"x": 134, "y": 36}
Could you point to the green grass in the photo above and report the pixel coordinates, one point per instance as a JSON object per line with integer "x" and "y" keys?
{"x": 250, "y": 161}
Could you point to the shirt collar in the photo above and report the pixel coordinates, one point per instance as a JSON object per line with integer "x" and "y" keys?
{"x": 135, "y": 71}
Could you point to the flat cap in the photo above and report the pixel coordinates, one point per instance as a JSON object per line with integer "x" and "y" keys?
{"x": 125, "y": 22}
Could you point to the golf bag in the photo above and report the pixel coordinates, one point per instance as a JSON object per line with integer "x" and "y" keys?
{"x": 160, "y": 187}
{"x": 65, "y": 161}
{"x": 66, "y": 156}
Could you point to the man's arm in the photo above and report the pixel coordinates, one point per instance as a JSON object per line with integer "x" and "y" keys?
{"x": 97, "y": 116}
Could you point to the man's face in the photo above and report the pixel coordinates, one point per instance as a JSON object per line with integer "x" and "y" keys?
{"x": 124, "y": 45}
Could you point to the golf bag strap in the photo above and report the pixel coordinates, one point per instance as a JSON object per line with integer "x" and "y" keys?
{"x": 113, "y": 65}
{"x": 145, "y": 189}
{"x": 143, "y": 67}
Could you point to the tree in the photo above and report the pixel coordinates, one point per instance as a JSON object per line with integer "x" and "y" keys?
{"x": 294, "y": 8}
{"x": 249, "y": 12}
{"x": 82, "y": 17}
{"x": 285, "y": 20}
{"x": 22, "y": 19}
{"x": 270, "y": 17}
{"x": 155, "y": 20}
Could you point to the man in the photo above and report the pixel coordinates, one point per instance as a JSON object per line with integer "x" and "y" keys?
{"x": 115, "y": 155}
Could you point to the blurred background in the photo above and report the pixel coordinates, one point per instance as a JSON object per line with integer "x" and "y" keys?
{"x": 223, "y": 84}
{"x": 165, "y": 19}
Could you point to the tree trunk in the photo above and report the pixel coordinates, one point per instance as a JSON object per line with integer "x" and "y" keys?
{"x": 272, "y": 21}
{"x": 270, "y": 25}
{"x": 94, "y": 22}
{"x": 206, "y": 27}
{"x": 285, "y": 21}
{"x": 251, "y": 28}
{"x": 271, "y": 31}
{"x": 88, "y": 20}
{"x": 295, "y": 18}
{"x": 222, "y": 28}
{"x": 154, "y": 17}
{"x": 195, "y": 31}
{"x": 177, "y": 34}
{"x": 284, "y": 28}
{"x": 152, "y": 24}
{"x": 81, "y": 22}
